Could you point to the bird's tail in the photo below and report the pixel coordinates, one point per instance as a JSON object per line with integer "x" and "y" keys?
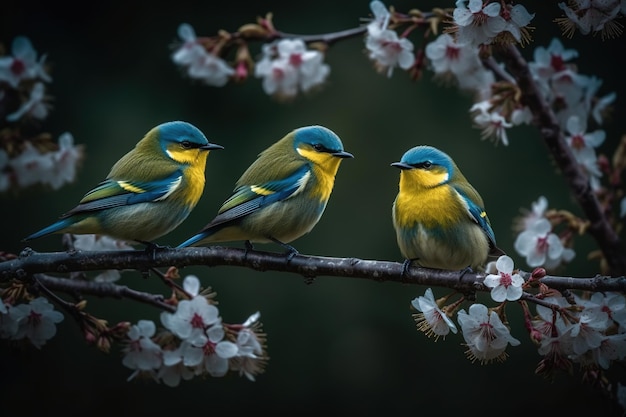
{"x": 53, "y": 228}
{"x": 197, "y": 238}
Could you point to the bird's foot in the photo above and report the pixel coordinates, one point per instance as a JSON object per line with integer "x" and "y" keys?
{"x": 248, "y": 248}
{"x": 405, "y": 267}
{"x": 466, "y": 270}
{"x": 291, "y": 251}
{"x": 152, "y": 248}
{"x": 470, "y": 293}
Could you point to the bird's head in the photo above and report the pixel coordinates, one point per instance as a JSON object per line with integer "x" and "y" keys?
{"x": 182, "y": 142}
{"x": 426, "y": 166}
{"x": 320, "y": 145}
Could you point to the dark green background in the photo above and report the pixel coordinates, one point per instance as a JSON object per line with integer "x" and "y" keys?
{"x": 339, "y": 345}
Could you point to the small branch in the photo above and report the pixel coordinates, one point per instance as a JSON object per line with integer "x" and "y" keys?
{"x": 31, "y": 262}
{"x": 601, "y": 230}
{"x": 102, "y": 289}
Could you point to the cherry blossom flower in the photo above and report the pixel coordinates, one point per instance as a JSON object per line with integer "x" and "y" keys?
{"x": 23, "y": 65}
{"x": 578, "y": 137}
{"x": 448, "y": 56}
{"x": 547, "y": 321}
{"x": 493, "y": 124}
{"x": 505, "y": 285}
{"x": 64, "y": 162}
{"x": 529, "y": 217}
{"x": 8, "y": 320}
{"x": 541, "y": 247}
{"x": 191, "y": 318}
{"x": 477, "y": 22}
{"x": 34, "y": 107}
{"x": 485, "y": 334}
{"x": 250, "y": 356}
{"x": 612, "y": 348}
{"x": 141, "y": 353}
{"x": 173, "y": 368}
{"x": 517, "y": 18}
{"x": 199, "y": 63}
{"x": 553, "y": 59}
{"x": 36, "y": 321}
{"x": 53, "y": 168}
{"x": 287, "y": 66}
{"x": 592, "y": 16}
{"x": 431, "y": 319}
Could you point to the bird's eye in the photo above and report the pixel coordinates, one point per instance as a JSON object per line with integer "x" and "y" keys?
{"x": 185, "y": 144}
{"x": 424, "y": 165}
{"x": 318, "y": 147}
{"x": 427, "y": 164}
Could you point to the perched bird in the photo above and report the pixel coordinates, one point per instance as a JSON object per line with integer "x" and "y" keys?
{"x": 439, "y": 218}
{"x": 148, "y": 192}
{"x": 282, "y": 195}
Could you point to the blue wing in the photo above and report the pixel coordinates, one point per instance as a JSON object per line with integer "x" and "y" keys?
{"x": 115, "y": 193}
{"x": 479, "y": 215}
{"x": 248, "y": 199}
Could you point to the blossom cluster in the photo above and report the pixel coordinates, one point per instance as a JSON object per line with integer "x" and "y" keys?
{"x": 287, "y": 67}
{"x": 589, "y": 331}
{"x": 194, "y": 342}
{"x": 538, "y": 243}
{"x": 27, "y": 159}
{"x": 486, "y": 336}
{"x": 34, "y": 321}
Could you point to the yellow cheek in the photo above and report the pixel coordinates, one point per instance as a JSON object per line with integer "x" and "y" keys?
{"x": 419, "y": 179}
{"x": 186, "y": 156}
{"x": 325, "y": 167}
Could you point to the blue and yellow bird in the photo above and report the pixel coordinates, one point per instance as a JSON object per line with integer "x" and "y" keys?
{"x": 282, "y": 195}
{"x": 439, "y": 218}
{"x": 148, "y": 192}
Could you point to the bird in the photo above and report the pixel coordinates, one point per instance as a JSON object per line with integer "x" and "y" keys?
{"x": 148, "y": 192}
{"x": 438, "y": 216}
{"x": 282, "y": 194}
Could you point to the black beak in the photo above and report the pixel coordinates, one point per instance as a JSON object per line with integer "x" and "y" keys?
{"x": 342, "y": 154}
{"x": 402, "y": 165}
{"x": 211, "y": 146}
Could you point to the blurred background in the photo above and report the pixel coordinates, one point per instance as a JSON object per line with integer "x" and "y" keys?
{"x": 339, "y": 345}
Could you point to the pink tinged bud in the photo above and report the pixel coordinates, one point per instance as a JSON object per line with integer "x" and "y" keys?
{"x": 538, "y": 273}
{"x": 241, "y": 71}
{"x": 535, "y": 335}
{"x": 90, "y": 337}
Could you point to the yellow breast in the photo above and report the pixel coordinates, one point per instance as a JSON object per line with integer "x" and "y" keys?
{"x": 419, "y": 201}
{"x": 195, "y": 179}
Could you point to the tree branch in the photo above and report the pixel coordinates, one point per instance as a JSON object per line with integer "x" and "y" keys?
{"x": 600, "y": 228}
{"x": 30, "y": 262}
